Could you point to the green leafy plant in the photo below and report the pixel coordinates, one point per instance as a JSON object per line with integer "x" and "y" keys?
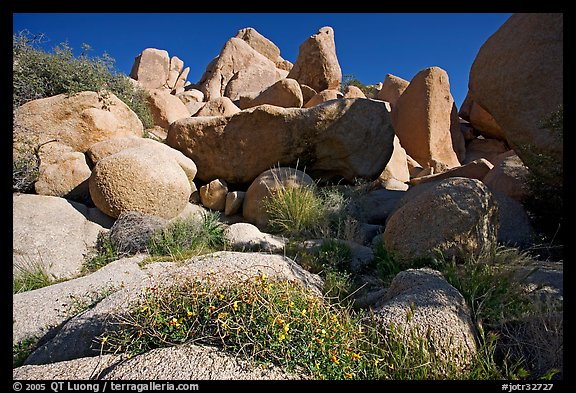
{"x": 187, "y": 238}
{"x": 23, "y": 349}
{"x": 39, "y": 74}
{"x": 31, "y": 274}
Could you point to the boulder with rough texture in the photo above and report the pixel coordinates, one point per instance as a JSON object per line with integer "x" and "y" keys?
{"x": 165, "y": 107}
{"x": 213, "y": 194}
{"x": 285, "y": 93}
{"x": 77, "y": 121}
{"x": 323, "y": 96}
{"x": 353, "y": 92}
{"x": 480, "y": 119}
{"x": 392, "y": 89}
{"x": 247, "y": 237}
{"x": 515, "y": 227}
{"x": 509, "y": 176}
{"x": 58, "y": 302}
{"x": 141, "y": 179}
{"x": 151, "y": 68}
{"x": 234, "y": 202}
{"x": 185, "y": 362}
{"x": 375, "y": 206}
{"x": 474, "y": 170}
{"x": 438, "y": 313}
{"x": 266, "y": 185}
{"x": 307, "y": 93}
{"x": 517, "y": 77}
{"x": 51, "y": 233}
{"x": 192, "y": 95}
{"x": 237, "y": 70}
{"x": 220, "y": 106}
{"x": 62, "y": 172}
{"x": 132, "y": 231}
{"x": 263, "y": 46}
{"x": 348, "y": 138}
{"x": 457, "y": 216}
{"x": 317, "y": 64}
{"x": 425, "y": 120}
{"x": 484, "y": 148}
{"x": 397, "y": 167}
{"x": 413, "y": 166}
{"x": 77, "y": 337}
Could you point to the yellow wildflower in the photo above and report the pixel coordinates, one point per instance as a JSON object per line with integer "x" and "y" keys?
{"x": 189, "y": 313}
{"x": 334, "y": 359}
{"x": 355, "y": 356}
{"x": 235, "y": 305}
{"x": 281, "y": 337}
{"x": 104, "y": 339}
{"x": 348, "y": 375}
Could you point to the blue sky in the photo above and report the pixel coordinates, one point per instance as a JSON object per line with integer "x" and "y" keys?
{"x": 368, "y": 45}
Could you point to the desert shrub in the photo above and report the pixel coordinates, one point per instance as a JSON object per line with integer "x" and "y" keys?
{"x": 132, "y": 231}
{"x": 39, "y": 74}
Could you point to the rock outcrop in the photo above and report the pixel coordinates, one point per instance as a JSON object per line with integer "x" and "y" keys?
{"x": 348, "y": 138}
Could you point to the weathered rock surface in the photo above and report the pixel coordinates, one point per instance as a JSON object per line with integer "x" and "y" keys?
{"x": 480, "y": 119}
{"x": 182, "y": 362}
{"x": 392, "y": 89}
{"x": 317, "y": 64}
{"x": 474, "y": 170}
{"x": 237, "y": 70}
{"x": 285, "y": 93}
{"x": 39, "y": 312}
{"x": 323, "y": 96}
{"x": 484, "y": 148}
{"x": 436, "y": 308}
{"x": 457, "y": 216}
{"x": 509, "y": 176}
{"x": 307, "y": 93}
{"x": 142, "y": 179}
{"x": 426, "y": 122}
{"x": 247, "y": 237}
{"x": 517, "y": 77}
{"x": 348, "y": 138}
{"x": 77, "y": 121}
{"x": 165, "y": 107}
{"x": 375, "y": 206}
{"x": 213, "y": 195}
{"x": 267, "y": 184}
{"x": 397, "y": 167}
{"x": 62, "y": 172}
{"x": 51, "y": 232}
{"x": 151, "y": 68}
{"x": 515, "y": 227}
{"x": 264, "y": 46}
{"x": 220, "y": 106}
{"x": 234, "y": 202}
{"x": 353, "y": 92}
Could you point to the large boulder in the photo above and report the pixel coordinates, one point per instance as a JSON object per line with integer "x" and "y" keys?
{"x": 484, "y": 148}
{"x": 165, "y": 107}
{"x": 247, "y": 237}
{"x": 457, "y": 216}
{"x": 323, "y": 96}
{"x": 285, "y": 93}
{"x": 237, "y": 70}
{"x": 353, "y": 92}
{"x": 517, "y": 77}
{"x": 51, "y": 233}
{"x": 515, "y": 227}
{"x": 347, "y": 138}
{"x": 266, "y": 185}
{"x": 480, "y": 119}
{"x": 264, "y": 46}
{"x": 392, "y": 89}
{"x": 509, "y": 176}
{"x": 151, "y": 68}
{"x": 397, "y": 167}
{"x": 62, "y": 172}
{"x": 426, "y": 121}
{"x": 78, "y": 121}
{"x": 220, "y": 106}
{"x": 317, "y": 64}
{"x": 421, "y": 303}
{"x": 150, "y": 179}
{"x": 213, "y": 195}
{"x": 59, "y": 302}
{"x": 375, "y": 207}
{"x": 474, "y": 170}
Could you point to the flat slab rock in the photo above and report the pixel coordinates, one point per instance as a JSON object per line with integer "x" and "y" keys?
{"x": 182, "y": 362}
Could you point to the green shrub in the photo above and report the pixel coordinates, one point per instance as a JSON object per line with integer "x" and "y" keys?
{"x": 183, "y": 239}
{"x": 280, "y": 322}
{"x": 105, "y": 253}
{"x": 294, "y": 211}
{"x": 39, "y": 74}
{"x": 23, "y": 349}
{"x": 30, "y": 275}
